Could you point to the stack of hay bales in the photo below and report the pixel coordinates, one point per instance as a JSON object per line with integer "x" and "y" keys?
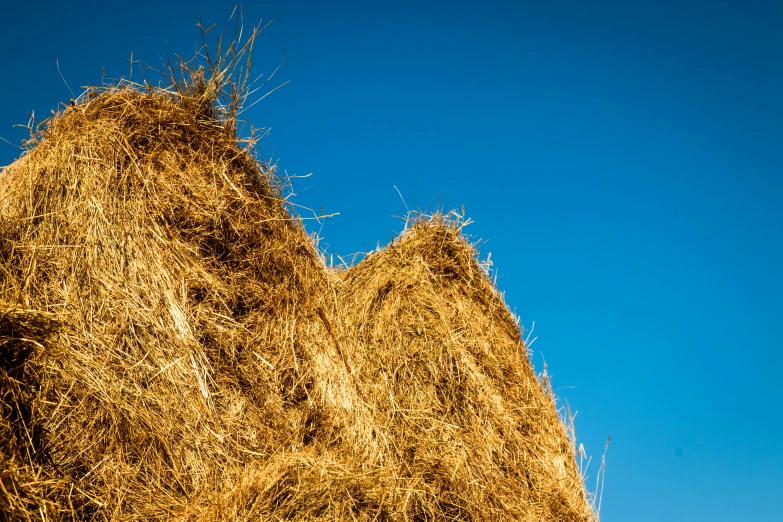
{"x": 172, "y": 347}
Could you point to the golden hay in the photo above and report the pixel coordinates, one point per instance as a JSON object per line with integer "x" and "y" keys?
{"x": 172, "y": 347}
{"x": 191, "y": 306}
{"x": 442, "y": 366}
{"x": 21, "y": 487}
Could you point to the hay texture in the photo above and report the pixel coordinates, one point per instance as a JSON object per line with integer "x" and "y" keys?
{"x": 191, "y": 306}
{"x": 173, "y": 348}
{"x": 471, "y": 432}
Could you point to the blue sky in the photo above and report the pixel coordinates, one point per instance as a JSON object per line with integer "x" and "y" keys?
{"x": 622, "y": 162}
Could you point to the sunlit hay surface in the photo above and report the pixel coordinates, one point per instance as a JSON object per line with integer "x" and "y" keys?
{"x": 172, "y": 347}
{"x": 191, "y": 306}
{"x": 472, "y": 433}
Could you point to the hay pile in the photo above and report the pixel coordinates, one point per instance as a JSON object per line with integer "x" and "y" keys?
{"x": 172, "y": 347}
{"x": 191, "y": 308}
{"x": 472, "y": 433}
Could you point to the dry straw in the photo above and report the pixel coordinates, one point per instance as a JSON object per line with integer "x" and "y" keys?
{"x": 172, "y": 346}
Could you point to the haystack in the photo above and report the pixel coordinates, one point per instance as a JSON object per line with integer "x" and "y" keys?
{"x": 472, "y": 433}
{"x": 172, "y": 346}
{"x": 192, "y": 337}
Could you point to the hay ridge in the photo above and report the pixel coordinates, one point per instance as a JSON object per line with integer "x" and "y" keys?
{"x": 172, "y": 346}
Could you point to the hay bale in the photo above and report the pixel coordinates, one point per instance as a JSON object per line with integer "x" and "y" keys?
{"x": 193, "y": 339}
{"x": 471, "y": 432}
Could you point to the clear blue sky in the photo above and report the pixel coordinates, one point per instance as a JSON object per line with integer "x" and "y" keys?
{"x": 623, "y": 162}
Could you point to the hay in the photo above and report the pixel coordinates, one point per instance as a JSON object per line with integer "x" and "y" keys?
{"x": 22, "y": 488}
{"x": 472, "y": 433}
{"x": 172, "y": 347}
{"x": 192, "y": 304}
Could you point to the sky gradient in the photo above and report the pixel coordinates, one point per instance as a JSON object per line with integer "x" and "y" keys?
{"x": 622, "y": 162}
